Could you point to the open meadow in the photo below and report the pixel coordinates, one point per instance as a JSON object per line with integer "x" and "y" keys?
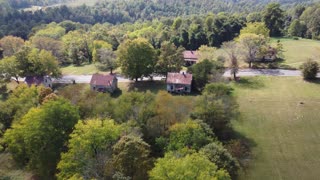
{"x": 298, "y": 51}
{"x": 281, "y": 116}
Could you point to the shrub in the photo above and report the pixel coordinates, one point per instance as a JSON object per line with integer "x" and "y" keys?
{"x": 310, "y": 69}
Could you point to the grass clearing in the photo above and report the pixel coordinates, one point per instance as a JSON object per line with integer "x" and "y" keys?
{"x": 84, "y": 69}
{"x": 281, "y": 116}
{"x": 296, "y": 52}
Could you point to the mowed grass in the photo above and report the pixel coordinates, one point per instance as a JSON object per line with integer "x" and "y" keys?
{"x": 281, "y": 115}
{"x": 84, "y": 69}
{"x": 296, "y": 52}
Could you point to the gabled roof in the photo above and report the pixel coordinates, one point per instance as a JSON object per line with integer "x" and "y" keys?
{"x": 190, "y": 55}
{"x": 177, "y": 78}
{"x": 36, "y": 80}
{"x": 102, "y": 80}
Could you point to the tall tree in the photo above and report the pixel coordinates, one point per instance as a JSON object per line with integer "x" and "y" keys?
{"x": 201, "y": 73}
{"x": 216, "y": 107}
{"x": 231, "y": 49}
{"x": 273, "y": 17}
{"x": 107, "y": 59}
{"x": 131, "y": 157}
{"x": 91, "y": 142}
{"x": 39, "y": 138}
{"x": 136, "y": 58}
{"x": 97, "y": 45}
{"x": 49, "y": 44}
{"x": 170, "y": 59}
{"x": 252, "y": 46}
{"x": 258, "y": 28}
{"x": 9, "y": 69}
{"x": 18, "y": 104}
{"x": 192, "y": 166}
{"x": 188, "y": 135}
{"x": 10, "y": 45}
{"x": 77, "y": 46}
{"x": 217, "y": 154}
{"x": 297, "y": 28}
{"x": 33, "y": 62}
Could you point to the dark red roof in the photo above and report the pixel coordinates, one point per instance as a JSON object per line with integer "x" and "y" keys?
{"x": 102, "y": 80}
{"x": 36, "y": 80}
{"x": 178, "y": 78}
{"x": 190, "y": 55}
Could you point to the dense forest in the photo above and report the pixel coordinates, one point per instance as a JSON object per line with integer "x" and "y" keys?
{"x": 20, "y": 23}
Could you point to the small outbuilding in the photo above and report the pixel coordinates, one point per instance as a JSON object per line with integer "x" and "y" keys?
{"x": 39, "y": 80}
{"x": 104, "y": 83}
{"x": 179, "y": 82}
{"x": 190, "y": 57}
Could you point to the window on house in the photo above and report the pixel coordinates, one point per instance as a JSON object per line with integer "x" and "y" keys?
{"x": 171, "y": 87}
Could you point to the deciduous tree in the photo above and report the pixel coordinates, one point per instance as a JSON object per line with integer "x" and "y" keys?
{"x": 9, "y": 69}
{"x": 273, "y": 17}
{"x": 310, "y": 69}
{"x": 170, "y": 59}
{"x": 258, "y": 28}
{"x": 192, "y": 166}
{"x": 89, "y": 149}
{"x": 232, "y": 51}
{"x": 10, "y": 45}
{"x": 218, "y": 155}
{"x": 136, "y": 58}
{"x": 188, "y": 135}
{"x": 131, "y": 157}
{"x": 33, "y": 62}
{"x": 252, "y": 45}
{"x": 39, "y": 138}
{"x": 216, "y": 107}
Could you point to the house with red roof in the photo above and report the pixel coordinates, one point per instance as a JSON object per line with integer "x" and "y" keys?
{"x": 190, "y": 57}
{"x": 104, "y": 83}
{"x": 179, "y": 82}
{"x": 39, "y": 80}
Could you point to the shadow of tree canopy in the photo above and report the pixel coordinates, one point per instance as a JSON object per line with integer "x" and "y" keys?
{"x": 250, "y": 83}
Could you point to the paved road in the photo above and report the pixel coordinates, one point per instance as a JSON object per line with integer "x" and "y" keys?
{"x": 242, "y": 72}
{"x": 87, "y": 78}
{"x": 265, "y": 72}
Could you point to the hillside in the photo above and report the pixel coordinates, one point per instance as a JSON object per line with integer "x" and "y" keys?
{"x": 182, "y": 7}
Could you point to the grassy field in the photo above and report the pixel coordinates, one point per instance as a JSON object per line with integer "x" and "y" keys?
{"x": 298, "y": 51}
{"x": 281, "y": 116}
{"x": 84, "y": 70}
{"x": 295, "y": 51}
{"x": 79, "y": 70}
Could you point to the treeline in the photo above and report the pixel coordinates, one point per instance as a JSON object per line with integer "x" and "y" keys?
{"x": 16, "y": 4}
{"x": 20, "y": 23}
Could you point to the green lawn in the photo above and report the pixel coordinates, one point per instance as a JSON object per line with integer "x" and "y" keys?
{"x": 281, "y": 116}
{"x": 298, "y": 51}
{"x": 79, "y": 70}
{"x": 84, "y": 70}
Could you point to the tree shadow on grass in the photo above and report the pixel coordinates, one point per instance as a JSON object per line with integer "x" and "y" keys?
{"x": 313, "y": 81}
{"x": 144, "y": 86}
{"x": 240, "y": 147}
{"x": 250, "y": 83}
